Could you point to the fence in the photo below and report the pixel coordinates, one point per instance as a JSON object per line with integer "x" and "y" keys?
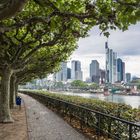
{"x": 103, "y": 124}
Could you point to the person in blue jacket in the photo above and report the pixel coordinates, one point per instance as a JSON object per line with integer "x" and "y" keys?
{"x": 18, "y": 101}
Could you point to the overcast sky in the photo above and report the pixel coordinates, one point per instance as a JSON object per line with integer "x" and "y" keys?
{"x": 126, "y": 44}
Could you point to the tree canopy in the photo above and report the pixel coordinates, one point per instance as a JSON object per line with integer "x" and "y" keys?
{"x": 48, "y": 23}
{"x": 9, "y": 8}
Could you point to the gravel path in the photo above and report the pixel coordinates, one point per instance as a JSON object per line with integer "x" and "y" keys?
{"x": 43, "y": 124}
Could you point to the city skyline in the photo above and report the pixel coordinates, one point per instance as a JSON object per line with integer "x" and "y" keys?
{"x": 126, "y": 44}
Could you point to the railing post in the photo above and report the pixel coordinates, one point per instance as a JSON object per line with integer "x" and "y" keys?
{"x": 109, "y": 127}
{"x": 82, "y": 119}
{"x": 130, "y": 132}
{"x": 98, "y": 124}
{"x": 70, "y": 110}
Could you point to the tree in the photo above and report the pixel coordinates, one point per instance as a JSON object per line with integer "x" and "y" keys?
{"x": 40, "y": 66}
{"x": 78, "y": 84}
{"x": 9, "y": 8}
{"x": 58, "y": 85}
{"x": 94, "y": 86}
{"x": 18, "y": 45}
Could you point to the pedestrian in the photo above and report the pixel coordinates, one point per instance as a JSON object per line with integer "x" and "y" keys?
{"x": 18, "y": 102}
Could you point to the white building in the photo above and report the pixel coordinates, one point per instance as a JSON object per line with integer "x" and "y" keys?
{"x": 111, "y": 65}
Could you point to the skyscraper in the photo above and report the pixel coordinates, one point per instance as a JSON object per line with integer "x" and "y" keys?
{"x": 128, "y": 77}
{"x": 111, "y": 65}
{"x": 76, "y": 73}
{"x": 68, "y": 73}
{"x": 94, "y": 71}
{"x": 120, "y": 70}
{"x": 123, "y": 72}
{"x": 102, "y": 76}
{"x": 62, "y": 74}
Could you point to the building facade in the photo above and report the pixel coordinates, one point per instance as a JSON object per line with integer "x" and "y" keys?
{"x": 76, "y": 73}
{"x": 111, "y": 65}
{"x": 128, "y": 77}
{"x": 102, "y": 76}
{"x": 94, "y": 71}
{"x": 62, "y": 74}
{"x": 120, "y": 70}
{"x": 68, "y": 73}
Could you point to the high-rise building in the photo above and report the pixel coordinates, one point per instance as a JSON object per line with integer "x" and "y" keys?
{"x": 123, "y": 72}
{"x": 68, "y": 73}
{"x": 111, "y": 65}
{"x": 94, "y": 71}
{"x": 127, "y": 77}
{"x": 76, "y": 73}
{"x": 62, "y": 74}
{"x": 120, "y": 70}
{"x": 102, "y": 76}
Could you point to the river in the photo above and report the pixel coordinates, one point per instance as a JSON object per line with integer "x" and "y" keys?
{"x": 134, "y": 101}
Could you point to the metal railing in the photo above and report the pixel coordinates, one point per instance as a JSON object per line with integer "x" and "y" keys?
{"x": 103, "y": 124}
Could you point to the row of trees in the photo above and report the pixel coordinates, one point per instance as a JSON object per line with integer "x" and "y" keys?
{"x": 45, "y": 32}
{"x": 81, "y": 84}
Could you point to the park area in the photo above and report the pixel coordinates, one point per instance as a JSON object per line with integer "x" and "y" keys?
{"x": 35, "y": 37}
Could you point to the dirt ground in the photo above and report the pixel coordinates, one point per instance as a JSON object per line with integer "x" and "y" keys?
{"x": 16, "y": 130}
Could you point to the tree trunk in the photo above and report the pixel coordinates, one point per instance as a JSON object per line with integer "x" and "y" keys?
{"x": 10, "y": 7}
{"x": 16, "y": 89}
{"x": 5, "y": 115}
{"x": 13, "y": 91}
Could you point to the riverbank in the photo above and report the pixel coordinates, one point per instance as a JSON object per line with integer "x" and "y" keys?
{"x": 116, "y": 98}
{"x": 117, "y": 109}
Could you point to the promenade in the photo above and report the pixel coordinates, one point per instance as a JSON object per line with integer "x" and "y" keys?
{"x": 43, "y": 124}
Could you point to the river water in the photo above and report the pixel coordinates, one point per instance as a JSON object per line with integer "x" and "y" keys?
{"x": 134, "y": 101}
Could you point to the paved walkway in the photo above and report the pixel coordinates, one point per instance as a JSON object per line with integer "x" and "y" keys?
{"x": 43, "y": 124}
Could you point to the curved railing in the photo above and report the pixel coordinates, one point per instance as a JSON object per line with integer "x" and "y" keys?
{"x": 103, "y": 124}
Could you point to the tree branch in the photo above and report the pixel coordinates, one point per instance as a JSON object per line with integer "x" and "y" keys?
{"x": 29, "y": 21}
{"x": 9, "y": 8}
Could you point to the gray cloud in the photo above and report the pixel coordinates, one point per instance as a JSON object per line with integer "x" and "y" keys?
{"x": 124, "y": 43}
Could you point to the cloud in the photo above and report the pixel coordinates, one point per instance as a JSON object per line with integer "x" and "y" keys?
{"x": 132, "y": 64}
{"x": 125, "y": 43}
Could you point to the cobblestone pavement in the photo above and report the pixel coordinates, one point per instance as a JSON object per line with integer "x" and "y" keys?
{"x": 43, "y": 124}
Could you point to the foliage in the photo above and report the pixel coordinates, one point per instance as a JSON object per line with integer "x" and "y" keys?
{"x": 44, "y": 62}
{"x": 78, "y": 84}
{"x": 138, "y": 86}
{"x": 116, "y": 109}
{"x": 94, "y": 86}
{"x": 29, "y": 42}
{"x": 59, "y": 85}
